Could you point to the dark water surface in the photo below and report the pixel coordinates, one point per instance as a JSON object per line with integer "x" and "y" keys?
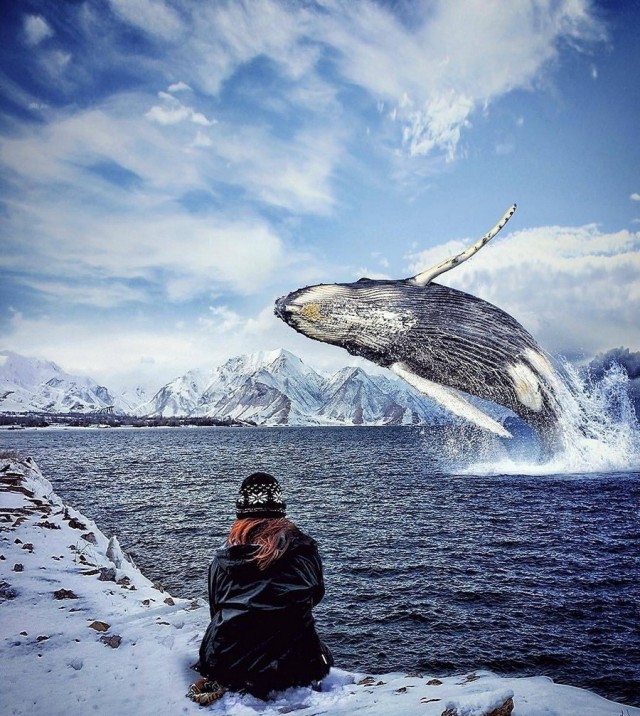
{"x": 426, "y": 569}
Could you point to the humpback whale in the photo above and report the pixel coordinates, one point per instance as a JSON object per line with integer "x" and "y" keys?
{"x": 440, "y": 340}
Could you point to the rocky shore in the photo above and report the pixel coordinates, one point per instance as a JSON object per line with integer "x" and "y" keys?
{"x": 83, "y": 630}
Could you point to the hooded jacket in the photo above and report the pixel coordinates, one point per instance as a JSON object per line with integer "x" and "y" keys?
{"x": 262, "y": 635}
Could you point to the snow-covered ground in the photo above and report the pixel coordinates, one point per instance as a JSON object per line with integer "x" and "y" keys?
{"x": 83, "y": 631}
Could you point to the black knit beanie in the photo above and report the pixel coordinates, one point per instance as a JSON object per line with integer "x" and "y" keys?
{"x": 260, "y": 496}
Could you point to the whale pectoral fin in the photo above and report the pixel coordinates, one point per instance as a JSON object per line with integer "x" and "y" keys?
{"x": 450, "y": 399}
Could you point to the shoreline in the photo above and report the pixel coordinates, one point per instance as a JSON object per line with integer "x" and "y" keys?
{"x": 122, "y": 642}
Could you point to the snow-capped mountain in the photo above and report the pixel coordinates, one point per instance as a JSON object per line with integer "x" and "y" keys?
{"x": 265, "y": 388}
{"x": 277, "y": 388}
{"x": 177, "y": 397}
{"x": 33, "y": 385}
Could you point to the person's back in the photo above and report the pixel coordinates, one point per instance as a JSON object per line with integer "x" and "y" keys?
{"x": 263, "y": 584}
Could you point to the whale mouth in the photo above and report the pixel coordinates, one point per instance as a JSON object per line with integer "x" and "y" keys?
{"x": 285, "y": 310}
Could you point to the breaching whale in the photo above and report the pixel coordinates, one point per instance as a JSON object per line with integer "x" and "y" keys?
{"x": 438, "y": 339}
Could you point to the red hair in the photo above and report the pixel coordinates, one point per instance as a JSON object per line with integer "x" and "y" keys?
{"x": 271, "y": 535}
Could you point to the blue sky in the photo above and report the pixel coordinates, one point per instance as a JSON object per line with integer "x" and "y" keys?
{"x": 169, "y": 168}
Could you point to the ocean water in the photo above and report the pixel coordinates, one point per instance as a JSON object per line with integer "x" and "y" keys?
{"x": 443, "y": 552}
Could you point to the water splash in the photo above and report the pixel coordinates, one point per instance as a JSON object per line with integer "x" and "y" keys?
{"x": 599, "y": 432}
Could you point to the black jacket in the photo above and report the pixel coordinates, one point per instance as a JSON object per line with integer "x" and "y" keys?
{"x": 262, "y": 635}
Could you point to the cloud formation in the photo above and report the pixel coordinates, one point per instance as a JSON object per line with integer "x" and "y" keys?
{"x": 575, "y": 289}
{"x": 36, "y": 29}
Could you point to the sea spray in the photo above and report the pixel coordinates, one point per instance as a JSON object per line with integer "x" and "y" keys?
{"x": 598, "y": 432}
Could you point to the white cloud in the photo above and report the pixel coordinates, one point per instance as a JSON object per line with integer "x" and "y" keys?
{"x": 172, "y": 111}
{"x": 454, "y": 57}
{"x": 178, "y": 87}
{"x": 154, "y": 17}
{"x": 86, "y": 292}
{"x": 635, "y": 196}
{"x": 575, "y": 289}
{"x": 36, "y": 29}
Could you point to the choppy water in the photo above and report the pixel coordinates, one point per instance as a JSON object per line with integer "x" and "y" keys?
{"x": 435, "y": 560}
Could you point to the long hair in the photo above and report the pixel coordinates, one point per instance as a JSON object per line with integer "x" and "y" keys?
{"x": 273, "y": 536}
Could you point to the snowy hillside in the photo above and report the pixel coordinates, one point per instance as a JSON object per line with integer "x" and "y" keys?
{"x": 32, "y": 385}
{"x": 85, "y": 632}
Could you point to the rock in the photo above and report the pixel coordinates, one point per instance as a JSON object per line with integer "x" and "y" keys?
{"x": 90, "y": 537}
{"x": 158, "y": 586}
{"x": 367, "y": 681}
{"x": 48, "y": 525}
{"x": 124, "y": 581}
{"x": 434, "y": 682}
{"x": 65, "y": 594}
{"x": 7, "y": 591}
{"x": 169, "y": 602}
{"x": 42, "y": 638}
{"x": 99, "y": 626}
{"x": 112, "y": 641}
{"x": 107, "y": 574}
{"x": 18, "y": 567}
{"x": 504, "y": 710}
{"x": 76, "y": 524}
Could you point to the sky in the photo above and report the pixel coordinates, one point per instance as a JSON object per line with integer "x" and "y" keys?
{"x": 169, "y": 168}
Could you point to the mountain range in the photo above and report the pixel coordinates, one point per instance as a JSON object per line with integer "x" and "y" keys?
{"x": 265, "y": 388}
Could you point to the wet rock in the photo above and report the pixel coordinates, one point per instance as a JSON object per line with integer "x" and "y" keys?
{"x": 107, "y": 574}
{"x": 42, "y": 638}
{"x": 28, "y": 546}
{"x": 18, "y": 567}
{"x": 99, "y": 626}
{"x": 64, "y": 594}
{"x": 90, "y": 537}
{"x": 112, "y": 641}
{"x": 23, "y": 633}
